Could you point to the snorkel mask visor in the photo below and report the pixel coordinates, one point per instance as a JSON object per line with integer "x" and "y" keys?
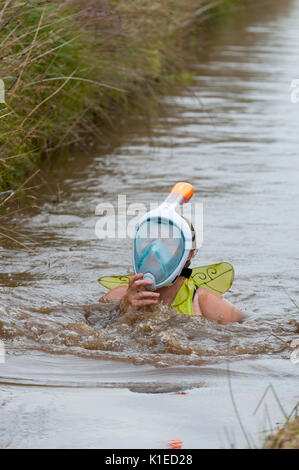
{"x": 163, "y": 242}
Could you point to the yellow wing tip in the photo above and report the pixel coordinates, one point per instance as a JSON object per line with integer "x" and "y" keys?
{"x": 114, "y": 281}
{"x": 205, "y": 277}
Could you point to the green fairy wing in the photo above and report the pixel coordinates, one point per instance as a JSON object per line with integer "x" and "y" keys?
{"x": 114, "y": 281}
{"x": 215, "y": 277}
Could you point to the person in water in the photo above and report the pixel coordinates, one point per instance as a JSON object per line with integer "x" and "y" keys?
{"x": 204, "y": 302}
{"x": 181, "y": 286}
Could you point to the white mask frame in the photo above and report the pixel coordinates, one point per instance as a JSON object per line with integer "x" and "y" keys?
{"x": 167, "y": 213}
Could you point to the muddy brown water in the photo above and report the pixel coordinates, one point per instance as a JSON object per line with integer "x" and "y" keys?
{"x": 79, "y": 375}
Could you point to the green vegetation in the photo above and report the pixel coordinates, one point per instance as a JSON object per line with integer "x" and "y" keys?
{"x": 69, "y": 67}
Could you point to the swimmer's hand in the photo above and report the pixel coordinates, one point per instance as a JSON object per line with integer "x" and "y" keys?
{"x": 136, "y": 297}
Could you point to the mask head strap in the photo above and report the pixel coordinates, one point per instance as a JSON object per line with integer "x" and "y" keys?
{"x": 186, "y": 272}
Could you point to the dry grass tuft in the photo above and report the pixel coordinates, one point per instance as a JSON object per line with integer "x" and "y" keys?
{"x": 286, "y": 438}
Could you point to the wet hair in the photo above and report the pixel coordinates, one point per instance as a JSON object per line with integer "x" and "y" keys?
{"x": 188, "y": 262}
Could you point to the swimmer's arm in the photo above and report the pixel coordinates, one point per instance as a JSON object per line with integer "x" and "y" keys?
{"x": 115, "y": 294}
{"x": 214, "y": 306}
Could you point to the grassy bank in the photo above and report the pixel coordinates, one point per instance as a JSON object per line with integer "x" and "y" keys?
{"x": 69, "y": 67}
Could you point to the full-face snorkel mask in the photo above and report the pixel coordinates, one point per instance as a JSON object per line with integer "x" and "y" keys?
{"x": 163, "y": 240}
